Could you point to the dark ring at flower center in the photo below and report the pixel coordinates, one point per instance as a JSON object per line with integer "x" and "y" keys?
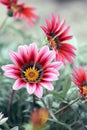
{"x": 84, "y": 84}
{"x": 55, "y": 41}
{"x": 32, "y": 72}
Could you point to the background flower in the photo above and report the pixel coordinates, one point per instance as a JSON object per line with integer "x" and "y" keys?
{"x": 2, "y": 120}
{"x": 8, "y": 2}
{"x": 39, "y": 118}
{"x": 80, "y": 79}
{"x": 57, "y": 35}
{"x": 20, "y": 11}
{"x": 33, "y": 68}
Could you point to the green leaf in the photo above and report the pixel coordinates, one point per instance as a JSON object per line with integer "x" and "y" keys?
{"x": 53, "y": 116}
{"x": 28, "y": 127}
{"x": 15, "y": 128}
{"x": 49, "y": 100}
{"x": 66, "y": 87}
{"x": 57, "y": 95}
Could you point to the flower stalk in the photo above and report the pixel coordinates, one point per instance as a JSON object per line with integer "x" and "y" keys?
{"x": 34, "y": 100}
{"x": 3, "y": 23}
{"x": 10, "y": 103}
{"x": 65, "y": 107}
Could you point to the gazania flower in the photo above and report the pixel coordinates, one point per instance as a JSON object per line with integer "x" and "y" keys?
{"x": 58, "y": 37}
{"x": 80, "y": 79}
{"x": 20, "y": 11}
{"x": 8, "y": 2}
{"x": 2, "y": 120}
{"x": 39, "y": 118}
{"x": 33, "y": 68}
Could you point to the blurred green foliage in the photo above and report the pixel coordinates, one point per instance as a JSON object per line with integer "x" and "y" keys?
{"x": 72, "y": 118}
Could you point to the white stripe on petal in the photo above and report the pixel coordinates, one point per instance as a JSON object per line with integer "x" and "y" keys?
{"x": 11, "y": 74}
{"x": 31, "y": 88}
{"x": 50, "y": 77}
{"x": 47, "y": 85}
{"x": 39, "y": 91}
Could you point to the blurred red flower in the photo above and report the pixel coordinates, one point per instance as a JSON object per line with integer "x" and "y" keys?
{"x": 80, "y": 79}
{"x": 39, "y": 117}
{"x": 20, "y": 11}
{"x": 58, "y": 38}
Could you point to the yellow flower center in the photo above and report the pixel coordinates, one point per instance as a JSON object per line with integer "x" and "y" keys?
{"x": 31, "y": 74}
{"x": 15, "y": 8}
{"x": 55, "y": 42}
{"x": 84, "y": 90}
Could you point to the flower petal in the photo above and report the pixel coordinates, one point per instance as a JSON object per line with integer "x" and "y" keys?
{"x": 51, "y": 70}
{"x": 15, "y": 58}
{"x": 3, "y": 120}
{"x": 39, "y": 91}
{"x": 33, "y": 52}
{"x": 12, "y": 74}
{"x": 56, "y": 65}
{"x": 23, "y": 52}
{"x": 42, "y": 51}
{"x": 9, "y": 67}
{"x": 50, "y": 77}
{"x": 31, "y": 87}
{"x": 1, "y": 115}
{"x": 27, "y": 13}
{"x": 47, "y": 85}
{"x": 48, "y": 57}
{"x": 19, "y": 83}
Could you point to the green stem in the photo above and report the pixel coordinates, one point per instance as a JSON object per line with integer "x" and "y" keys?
{"x": 10, "y": 103}
{"x": 63, "y": 108}
{"x": 3, "y": 23}
{"x": 34, "y": 101}
{"x": 61, "y": 123}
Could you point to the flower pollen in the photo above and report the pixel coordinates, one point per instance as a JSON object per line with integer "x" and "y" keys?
{"x": 15, "y": 8}
{"x": 31, "y": 74}
{"x": 55, "y": 42}
{"x": 84, "y": 91}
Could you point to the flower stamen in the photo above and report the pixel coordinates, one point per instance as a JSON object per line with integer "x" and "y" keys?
{"x": 84, "y": 90}
{"x": 15, "y": 8}
{"x": 32, "y": 73}
{"x": 55, "y": 42}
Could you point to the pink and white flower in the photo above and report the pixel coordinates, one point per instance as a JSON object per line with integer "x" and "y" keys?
{"x": 33, "y": 68}
{"x": 2, "y": 120}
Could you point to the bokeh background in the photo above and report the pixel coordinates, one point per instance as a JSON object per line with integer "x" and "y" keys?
{"x": 73, "y": 11}
{"x": 16, "y": 32}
